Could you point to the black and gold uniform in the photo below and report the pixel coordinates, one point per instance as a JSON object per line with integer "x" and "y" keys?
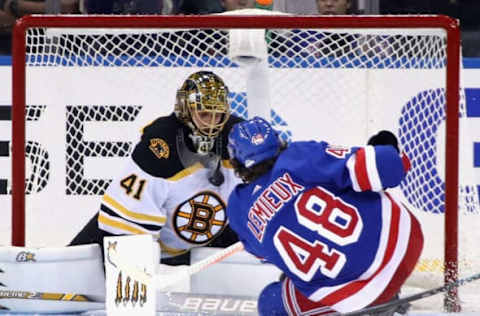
{"x": 176, "y": 182}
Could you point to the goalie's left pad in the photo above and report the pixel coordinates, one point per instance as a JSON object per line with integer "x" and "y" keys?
{"x": 51, "y": 279}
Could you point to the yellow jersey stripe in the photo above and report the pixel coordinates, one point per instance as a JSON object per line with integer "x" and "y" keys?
{"x": 134, "y": 215}
{"x": 186, "y": 172}
{"x": 171, "y": 251}
{"x": 116, "y": 224}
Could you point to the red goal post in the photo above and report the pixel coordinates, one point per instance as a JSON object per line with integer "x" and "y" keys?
{"x": 294, "y": 61}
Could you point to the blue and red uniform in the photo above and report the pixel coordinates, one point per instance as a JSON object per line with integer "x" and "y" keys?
{"x": 322, "y": 216}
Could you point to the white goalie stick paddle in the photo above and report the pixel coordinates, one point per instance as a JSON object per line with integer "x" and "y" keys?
{"x": 414, "y": 297}
{"x": 177, "y": 274}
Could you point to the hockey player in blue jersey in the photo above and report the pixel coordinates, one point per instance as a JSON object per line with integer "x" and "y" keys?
{"x": 322, "y": 214}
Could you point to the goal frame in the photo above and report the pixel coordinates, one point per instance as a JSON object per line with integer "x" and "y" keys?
{"x": 450, "y": 25}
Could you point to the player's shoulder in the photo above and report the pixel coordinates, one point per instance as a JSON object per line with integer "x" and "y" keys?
{"x": 156, "y": 152}
{"x": 307, "y": 144}
{"x": 305, "y": 149}
{"x": 321, "y": 149}
{"x": 300, "y": 156}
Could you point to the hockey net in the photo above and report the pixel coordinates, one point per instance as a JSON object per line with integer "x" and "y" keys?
{"x": 85, "y": 86}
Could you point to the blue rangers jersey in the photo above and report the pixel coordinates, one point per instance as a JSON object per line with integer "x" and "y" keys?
{"x": 322, "y": 216}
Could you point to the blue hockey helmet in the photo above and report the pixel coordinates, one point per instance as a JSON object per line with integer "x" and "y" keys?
{"x": 253, "y": 141}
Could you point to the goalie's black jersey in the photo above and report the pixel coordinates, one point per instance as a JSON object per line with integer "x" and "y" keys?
{"x": 156, "y": 193}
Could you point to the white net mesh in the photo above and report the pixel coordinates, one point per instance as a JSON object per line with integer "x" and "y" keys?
{"x": 304, "y": 50}
{"x": 337, "y": 85}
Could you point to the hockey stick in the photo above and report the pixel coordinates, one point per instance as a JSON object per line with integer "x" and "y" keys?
{"x": 180, "y": 303}
{"x": 217, "y": 257}
{"x": 414, "y": 297}
{"x": 47, "y": 296}
{"x": 161, "y": 281}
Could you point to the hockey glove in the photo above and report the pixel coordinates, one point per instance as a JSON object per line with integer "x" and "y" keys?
{"x": 384, "y": 138}
{"x": 388, "y": 138}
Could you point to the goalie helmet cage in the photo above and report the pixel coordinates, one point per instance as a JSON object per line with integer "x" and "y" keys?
{"x": 351, "y": 46}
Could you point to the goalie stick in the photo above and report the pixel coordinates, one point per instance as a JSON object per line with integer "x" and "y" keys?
{"x": 49, "y": 302}
{"x": 161, "y": 281}
{"x": 48, "y": 296}
{"x": 414, "y": 297}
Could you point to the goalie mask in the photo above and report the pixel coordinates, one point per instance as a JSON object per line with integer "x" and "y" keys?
{"x": 202, "y": 104}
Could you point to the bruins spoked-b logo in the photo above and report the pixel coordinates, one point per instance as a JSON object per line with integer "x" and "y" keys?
{"x": 201, "y": 218}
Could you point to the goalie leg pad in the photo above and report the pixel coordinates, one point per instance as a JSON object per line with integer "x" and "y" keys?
{"x": 34, "y": 279}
